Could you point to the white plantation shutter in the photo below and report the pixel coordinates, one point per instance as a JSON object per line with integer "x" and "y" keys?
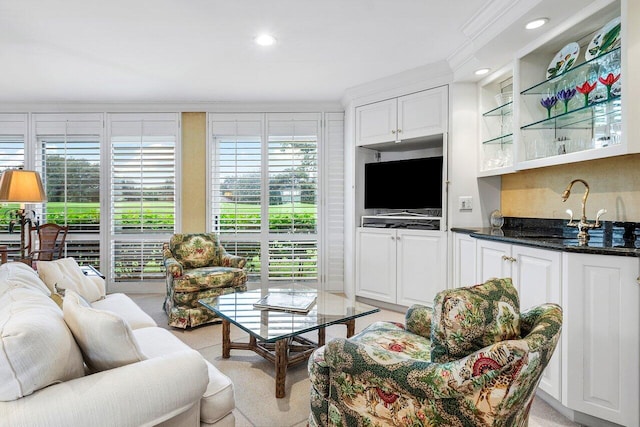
{"x": 142, "y": 192}
{"x": 237, "y": 172}
{"x": 332, "y": 194}
{"x": 67, "y": 154}
{"x": 13, "y": 134}
{"x": 267, "y": 173}
{"x": 236, "y": 185}
{"x": 293, "y": 195}
{"x": 293, "y": 259}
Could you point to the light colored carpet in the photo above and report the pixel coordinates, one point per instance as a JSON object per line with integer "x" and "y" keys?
{"x": 254, "y": 377}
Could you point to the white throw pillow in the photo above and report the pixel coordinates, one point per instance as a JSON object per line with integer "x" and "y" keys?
{"x": 66, "y": 274}
{"x": 105, "y": 338}
{"x": 20, "y": 275}
{"x": 36, "y": 347}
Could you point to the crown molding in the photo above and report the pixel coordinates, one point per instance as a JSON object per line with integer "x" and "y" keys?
{"x": 168, "y": 107}
{"x": 489, "y": 23}
{"x": 405, "y": 82}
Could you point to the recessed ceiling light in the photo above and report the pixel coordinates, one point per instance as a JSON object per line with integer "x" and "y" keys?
{"x": 482, "y": 71}
{"x": 536, "y": 23}
{"x": 265, "y": 40}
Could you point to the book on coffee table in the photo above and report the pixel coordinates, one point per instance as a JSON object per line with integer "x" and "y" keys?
{"x": 298, "y": 302}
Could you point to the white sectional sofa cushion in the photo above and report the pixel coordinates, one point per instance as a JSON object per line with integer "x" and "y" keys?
{"x": 105, "y": 338}
{"x": 123, "y": 306}
{"x": 66, "y": 274}
{"x": 36, "y": 347}
{"x": 18, "y": 275}
{"x": 218, "y": 400}
{"x": 147, "y": 393}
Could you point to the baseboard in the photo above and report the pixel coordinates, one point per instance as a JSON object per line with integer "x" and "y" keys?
{"x": 575, "y": 416}
{"x": 380, "y": 304}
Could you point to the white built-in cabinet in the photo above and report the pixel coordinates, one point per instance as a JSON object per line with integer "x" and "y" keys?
{"x": 464, "y": 260}
{"x": 404, "y": 118}
{"x": 522, "y": 134}
{"x": 536, "y": 274}
{"x": 601, "y": 301}
{"x": 595, "y": 369}
{"x": 400, "y": 266}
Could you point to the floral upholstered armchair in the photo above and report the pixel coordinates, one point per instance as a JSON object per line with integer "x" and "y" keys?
{"x": 473, "y": 360}
{"x": 198, "y": 267}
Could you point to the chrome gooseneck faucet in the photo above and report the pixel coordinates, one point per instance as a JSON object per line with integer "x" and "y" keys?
{"x": 583, "y": 226}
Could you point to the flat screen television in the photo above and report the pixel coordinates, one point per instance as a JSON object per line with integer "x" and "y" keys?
{"x": 404, "y": 184}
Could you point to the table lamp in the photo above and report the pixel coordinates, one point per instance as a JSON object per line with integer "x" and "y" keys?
{"x": 22, "y": 186}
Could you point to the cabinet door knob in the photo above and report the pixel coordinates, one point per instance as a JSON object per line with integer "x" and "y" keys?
{"x": 393, "y": 131}
{"x": 399, "y": 130}
{"x": 508, "y": 258}
{"x": 638, "y": 280}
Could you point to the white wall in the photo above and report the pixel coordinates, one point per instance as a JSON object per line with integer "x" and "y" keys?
{"x": 463, "y": 162}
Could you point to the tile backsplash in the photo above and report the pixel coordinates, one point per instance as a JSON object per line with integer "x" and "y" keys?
{"x": 614, "y": 185}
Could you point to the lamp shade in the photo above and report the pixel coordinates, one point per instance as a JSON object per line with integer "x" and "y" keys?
{"x": 17, "y": 185}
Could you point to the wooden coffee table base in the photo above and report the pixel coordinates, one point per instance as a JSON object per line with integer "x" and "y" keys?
{"x": 283, "y": 353}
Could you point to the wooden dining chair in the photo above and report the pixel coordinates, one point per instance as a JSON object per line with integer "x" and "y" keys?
{"x": 47, "y": 242}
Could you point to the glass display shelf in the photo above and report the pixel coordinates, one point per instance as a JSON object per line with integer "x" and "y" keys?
{"x": 503, "y": 110}
{"x": 502, "y": 139}
{"x": 609, "y": 61}
{"x": 581, "y": 118}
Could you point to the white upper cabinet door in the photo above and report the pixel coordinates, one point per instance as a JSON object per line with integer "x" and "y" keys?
{"x": 409, "y": 117}
{"x": 422, "y": 114}
{"x": 376, "y": 123}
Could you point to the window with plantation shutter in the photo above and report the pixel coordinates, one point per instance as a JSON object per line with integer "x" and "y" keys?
{"x": 67, "y": 154}
{"x": 292, "y": 170}
{"x": 265, "y": 191}
{"x": 142, "y": 193}
{"x": 236, "y": 185}
{"x": 13, "y": 131}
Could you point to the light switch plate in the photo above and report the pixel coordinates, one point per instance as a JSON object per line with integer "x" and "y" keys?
{"x": 465, "y": 203}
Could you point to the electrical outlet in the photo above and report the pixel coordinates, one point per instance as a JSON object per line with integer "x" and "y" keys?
{"x": 465, "y": 203}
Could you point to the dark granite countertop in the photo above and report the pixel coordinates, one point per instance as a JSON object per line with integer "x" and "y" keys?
{"x": 614, "y": 238}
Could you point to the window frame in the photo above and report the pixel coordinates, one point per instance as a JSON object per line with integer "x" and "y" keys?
{"x": 149, "y": 285}
{"x": 74, "y": 124}
{"x": 327, "y": 142}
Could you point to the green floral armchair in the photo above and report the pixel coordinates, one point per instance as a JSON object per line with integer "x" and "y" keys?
{"x": 473, "y": 360}
{"x": 198, "y": 267}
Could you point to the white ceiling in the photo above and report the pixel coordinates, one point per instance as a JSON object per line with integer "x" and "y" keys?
{"x": 203, "y": 50}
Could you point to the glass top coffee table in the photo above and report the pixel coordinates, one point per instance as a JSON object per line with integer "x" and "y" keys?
{"x": 276, "y": 334}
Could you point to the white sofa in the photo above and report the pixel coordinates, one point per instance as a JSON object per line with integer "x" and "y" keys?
{"x": 45, "y": 379}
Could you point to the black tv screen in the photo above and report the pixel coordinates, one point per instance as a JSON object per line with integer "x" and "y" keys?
{"x": 404, "y": 184}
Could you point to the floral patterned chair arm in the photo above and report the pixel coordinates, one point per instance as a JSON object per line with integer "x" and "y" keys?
{"x": 541, "y": 327}
{"x": 235, "y": 261}
{"x": 407, "y": 378}
{"x": 418, "y": 320}
{"x": 170, "y": 263}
